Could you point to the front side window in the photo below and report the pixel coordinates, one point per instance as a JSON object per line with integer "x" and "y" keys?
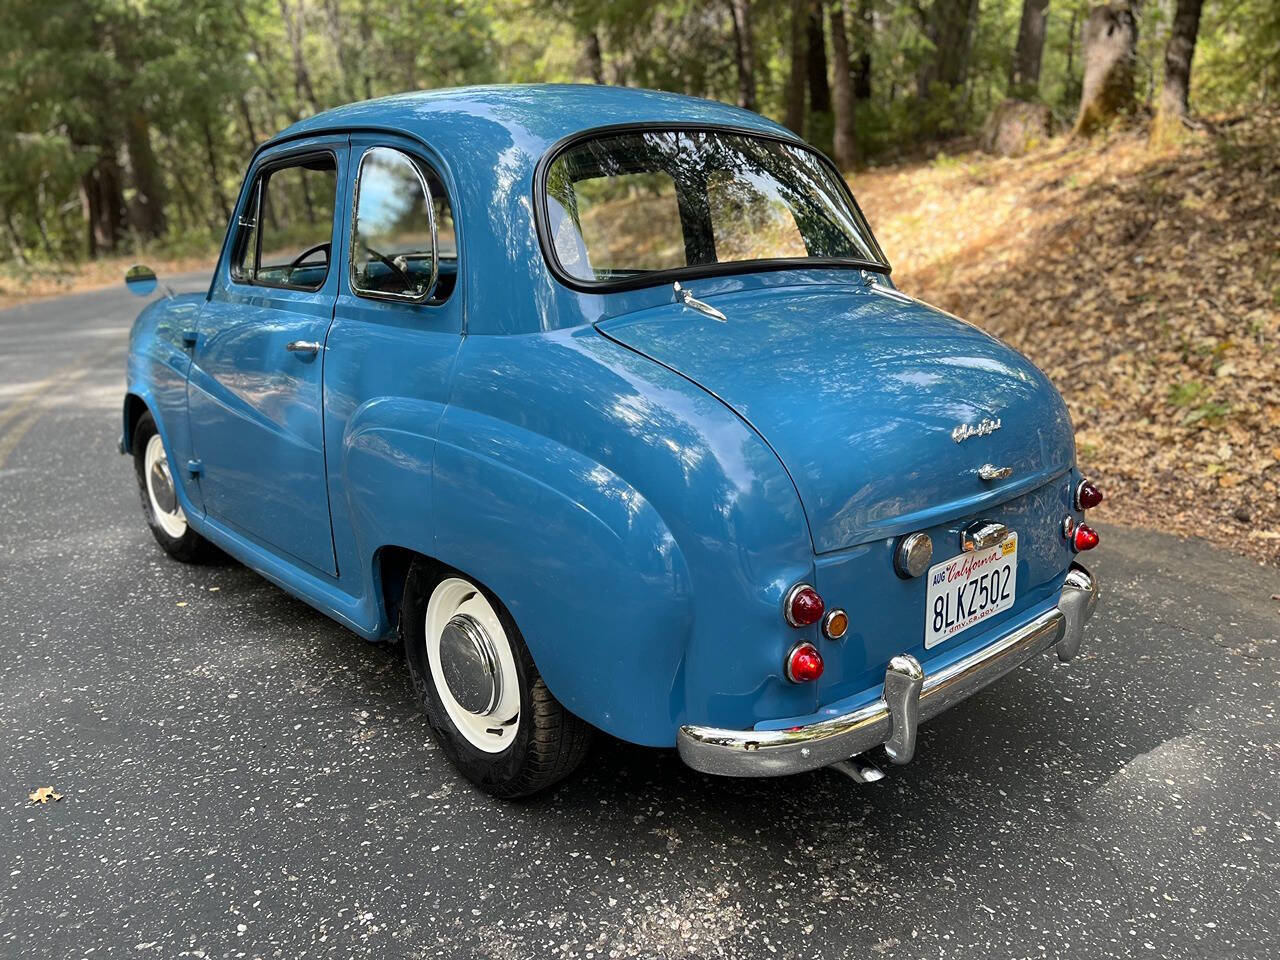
{"x": 403, "y": 241}
{"x": 621, "y": 207}
{"x": 287, "y": 230}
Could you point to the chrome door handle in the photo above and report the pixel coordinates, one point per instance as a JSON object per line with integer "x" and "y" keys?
{"x": 304, "y": 346}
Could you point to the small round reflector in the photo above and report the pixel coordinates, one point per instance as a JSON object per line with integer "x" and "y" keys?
{"x": 835, "y": 624}
{"x": 804, "y": 663}
{"x": 1087, "y": 496}
{"x": 803, "y": 606}
{"x": 1085, "y": 537}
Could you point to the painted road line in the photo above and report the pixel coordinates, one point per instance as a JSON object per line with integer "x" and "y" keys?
{"x": 33, "y": 403}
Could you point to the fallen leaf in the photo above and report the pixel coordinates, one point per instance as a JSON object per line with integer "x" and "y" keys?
{"x": 44, "y": 795}
{"x": 182, "y": 603}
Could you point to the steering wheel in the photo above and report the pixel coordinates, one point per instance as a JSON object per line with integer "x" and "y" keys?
{"x": 399, "y": 271}
{"x": 296, "y": 262}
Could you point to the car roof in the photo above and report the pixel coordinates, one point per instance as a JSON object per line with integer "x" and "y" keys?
{"x": 532, "y": 116}
{"x": 488, "y": 141}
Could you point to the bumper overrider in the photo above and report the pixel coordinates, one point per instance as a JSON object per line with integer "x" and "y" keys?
{"x": 910, "y": 697}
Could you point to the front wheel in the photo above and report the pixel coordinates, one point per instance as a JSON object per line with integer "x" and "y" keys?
{"x": 485, "y": 700}
{"x": 159, "y": 491}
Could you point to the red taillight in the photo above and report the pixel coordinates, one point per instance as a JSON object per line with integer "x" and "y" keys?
{"x": 804, "y": 663}
{"x": 1084, "y": 538}
{"x": 1087, "y": 496}
{"x": 803, "y": 606}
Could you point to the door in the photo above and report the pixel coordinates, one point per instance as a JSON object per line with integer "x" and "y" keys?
{"x": 256, "y": 387}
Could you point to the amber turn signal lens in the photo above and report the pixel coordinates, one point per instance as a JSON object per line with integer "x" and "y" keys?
{"x": 1087, "y": 496}
{"x": 804, "y": 663}
{"x": 835, "y": 624}
{"x": 1084, "y": 538}
{"x": 803, "y": 606}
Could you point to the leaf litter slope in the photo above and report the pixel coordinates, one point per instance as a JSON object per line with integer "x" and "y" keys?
{"x": 1146, "y": 284}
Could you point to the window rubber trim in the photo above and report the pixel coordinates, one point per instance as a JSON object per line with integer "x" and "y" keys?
{"x": 269, "y": 167}
{"x": 660, "y": 277}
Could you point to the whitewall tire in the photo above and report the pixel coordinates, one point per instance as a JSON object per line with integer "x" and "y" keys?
{"x": 159, "y": 490}
{"x": 487, "y": 705}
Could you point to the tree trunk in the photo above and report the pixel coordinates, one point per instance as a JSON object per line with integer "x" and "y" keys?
{"x": 816, "y": 61}
{"x": 215, "y": 182}
{"x": 744, "y": 47}
{"x": 799, "y": 67}
{"x": 949, "y": 26}
{"x": 249, "y": 127}
{"x": 365, "y": 23}
{"x": 146, "y": 213}
{"x": 341, "y": 52}
{"x": 864, "y": 32}
{"x": 1177, "y": 67}
{"x": 103, "y": 200}
{"x": 1024, "y": 72}
{"x": 846, "y": 143}
{"x": 1110, "y": 53}
{"x": 15, "y": 238}
{"x": 593, "y": 56}
{"x": 265, "y": 65}
{"x": 302, "y": 87}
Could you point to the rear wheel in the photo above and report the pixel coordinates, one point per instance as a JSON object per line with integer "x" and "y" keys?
{"x": 485, "y": 700}
{"x": 160, "y": 505}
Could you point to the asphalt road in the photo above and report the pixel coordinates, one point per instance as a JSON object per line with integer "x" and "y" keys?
{"x": 242, "y": 777}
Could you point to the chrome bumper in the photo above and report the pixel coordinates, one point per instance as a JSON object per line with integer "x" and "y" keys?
{"x": 910, "y": 697}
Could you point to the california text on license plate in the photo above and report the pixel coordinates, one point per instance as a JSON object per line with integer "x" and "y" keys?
{"x": 970, "y": 588}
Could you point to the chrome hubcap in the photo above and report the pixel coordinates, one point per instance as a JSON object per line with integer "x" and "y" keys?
{"x": 472, "y": 665}
{"x": 162, "y": 486}
{"x": 469, "y": 663}
{"x": 161, "y": 490}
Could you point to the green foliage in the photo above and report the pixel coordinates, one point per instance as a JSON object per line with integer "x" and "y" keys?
{"x": 128, "y": 123}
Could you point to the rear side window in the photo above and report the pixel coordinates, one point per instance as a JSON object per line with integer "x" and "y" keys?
{"x": 394, "y": 236}
{"x": 286, "y": 235}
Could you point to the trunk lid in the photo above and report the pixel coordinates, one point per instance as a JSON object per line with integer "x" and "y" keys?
{"x": 860, "y": 395}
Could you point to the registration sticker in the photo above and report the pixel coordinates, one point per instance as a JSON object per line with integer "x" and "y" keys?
{"x": 967, "y": 589}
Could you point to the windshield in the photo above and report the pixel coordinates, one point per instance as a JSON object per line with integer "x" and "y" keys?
{"x": 626, "y": 206}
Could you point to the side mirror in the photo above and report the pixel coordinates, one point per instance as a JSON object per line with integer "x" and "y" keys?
{"x": 140, "y": 280}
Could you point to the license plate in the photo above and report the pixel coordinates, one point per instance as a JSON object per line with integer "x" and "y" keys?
{"x": 970, "y": 588}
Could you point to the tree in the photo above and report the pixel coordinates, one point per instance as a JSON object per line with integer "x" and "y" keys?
{"x": 1177, "y": 70}
{"x": 864, "y": 33}
{"x": 799, "y": 75}
{"x": 744, "y": 52}
{"x": 816, "y": 61}
{"x": 949, "y": 26}
{"x": 1110, "y": 52}
{"x": 593, "y": 56}
{"x": 842, "y": 93}
{"x": 1024, "y": 71}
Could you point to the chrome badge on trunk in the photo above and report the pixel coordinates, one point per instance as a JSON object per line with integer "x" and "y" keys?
{"x": 982, "y": 428}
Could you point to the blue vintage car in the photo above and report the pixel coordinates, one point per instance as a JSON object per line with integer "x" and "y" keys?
{"x": 604, "y": 403}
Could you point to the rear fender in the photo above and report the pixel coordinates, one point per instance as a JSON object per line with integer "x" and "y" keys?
{"x": 584, "y": 563}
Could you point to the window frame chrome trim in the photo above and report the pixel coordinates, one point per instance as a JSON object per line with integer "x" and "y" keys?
{"x": 423, "y": 297}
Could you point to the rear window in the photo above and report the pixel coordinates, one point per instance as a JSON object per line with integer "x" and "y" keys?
{"x": 624, "y": 207}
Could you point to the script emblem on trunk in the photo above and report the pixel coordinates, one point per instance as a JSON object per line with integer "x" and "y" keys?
{"x": 982, "y": 428}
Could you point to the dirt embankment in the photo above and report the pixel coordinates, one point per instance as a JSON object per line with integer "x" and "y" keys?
{"x": 1146, "y": 284}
